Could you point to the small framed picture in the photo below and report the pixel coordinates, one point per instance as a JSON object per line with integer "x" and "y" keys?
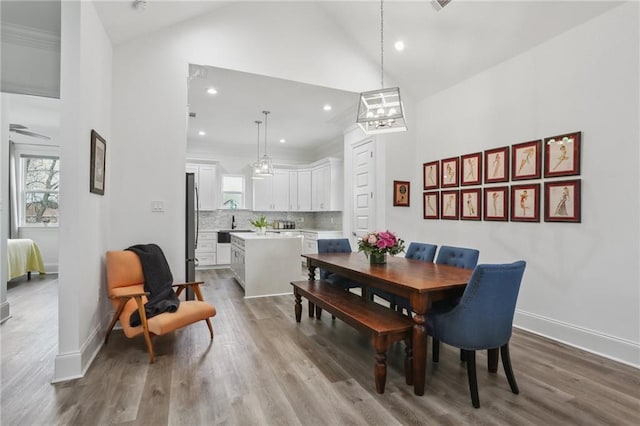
{"x": 449, "y": 204}
{"x": 449, "y": 172}
{"x": 471, "y": 204}
{"x": 496, "y": 165}
{"x": 525, "y": 160}
{"x": 431, "y": 205}
{"x": 496, "y": 204}
{"x": 98, "y": 163}
{"x": 525, "y": 203}
{"x": 471, "y": 166}
{"x": 401, "y": 193}
{"x": 562, "y": 155}
{"x": 562, "y": 201}
{"x": 431, "y": 175}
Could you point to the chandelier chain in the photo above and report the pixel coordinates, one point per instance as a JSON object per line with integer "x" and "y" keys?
{"x": 258, "y": 122}
{"x": 382, "y": 44}
{"x": 265, "y": 131}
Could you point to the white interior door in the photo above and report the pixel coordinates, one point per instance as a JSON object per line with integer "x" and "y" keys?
{"x": 363, "y": 189}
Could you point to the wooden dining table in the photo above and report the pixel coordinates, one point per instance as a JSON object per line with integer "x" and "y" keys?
{"x": 420, "y": 282}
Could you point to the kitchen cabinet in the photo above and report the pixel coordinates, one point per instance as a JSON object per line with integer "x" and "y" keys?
{"x": 300, "y": 190}
{"x": 327, "y": 186}
{"x": 205, "y": 179}
{"x": 272, "y": 193}
{"x": 206, "y": 249}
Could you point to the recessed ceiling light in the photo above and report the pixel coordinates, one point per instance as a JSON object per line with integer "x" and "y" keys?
{"x": 212, "y": 91}
{"x": 327, "y": 107}
{"x": 202, "y": 133}
{"x": 399, "y": 45}
{"x": 283, "y": 140}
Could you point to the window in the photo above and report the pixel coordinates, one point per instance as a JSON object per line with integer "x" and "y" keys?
{"x": 233, "y": 192}
{"x": 39, "y": 186}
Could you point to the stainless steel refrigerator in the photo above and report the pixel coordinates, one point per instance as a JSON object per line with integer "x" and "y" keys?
{"x": 191, "y": 231}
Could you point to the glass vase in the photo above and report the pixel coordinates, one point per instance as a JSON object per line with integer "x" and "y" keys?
{"x": 377, "y": 258}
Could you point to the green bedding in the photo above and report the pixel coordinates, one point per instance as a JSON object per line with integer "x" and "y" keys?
{"x": 24, "y": 256}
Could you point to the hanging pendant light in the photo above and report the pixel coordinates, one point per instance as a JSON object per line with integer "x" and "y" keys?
{"x": 266, "y": 168}
{"x": 255, "y": 167}
{"x": 381, "y": 111}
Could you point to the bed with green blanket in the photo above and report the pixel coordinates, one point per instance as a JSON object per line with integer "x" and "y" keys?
{"x": 24, "y": 258}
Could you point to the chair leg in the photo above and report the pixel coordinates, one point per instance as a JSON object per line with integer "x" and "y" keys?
{"x": 435, "y": 351}
{"x": 471, "y": 374}
{"x": 508, "y": 371}
{"x": 145, "y": 327}
{"x": 492, "y": 360}
{"x": 210, "y": 328}
{"x": 462, "y": 356}
{"x": 116, "y": 315}
{"x": 408, "y": 360}
{"x": 312, "y": 309}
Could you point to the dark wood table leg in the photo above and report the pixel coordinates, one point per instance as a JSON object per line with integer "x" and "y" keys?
{"x": 419, "y": 303}
{"x": 312, "y": 277}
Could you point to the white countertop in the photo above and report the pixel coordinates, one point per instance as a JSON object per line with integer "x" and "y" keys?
{"x": 267, "y": 236}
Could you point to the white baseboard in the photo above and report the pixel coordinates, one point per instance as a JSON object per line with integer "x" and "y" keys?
{"x": 74, "y": 365}
{"x": 615, "y": 348}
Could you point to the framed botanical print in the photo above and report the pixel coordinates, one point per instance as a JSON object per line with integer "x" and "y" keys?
{"x": 496, "y": 203}
{"x": 562, "y": 201}
{"x": 449, "y": 204}
{"x": 97, "y": 169}
{"x": 431, "y": 175}
{"x": 496, "y": 165}
{"x": 525, "y": 160}
{"x": 471, "y": 204}
{"x": 525, "y": 203}
{"x": 449, "y": 172}
{"x": 401, "y": 193}
{"x": 431, "y": 205}
{"x": 562, "y": 155}
{"x": 471, "y": 167}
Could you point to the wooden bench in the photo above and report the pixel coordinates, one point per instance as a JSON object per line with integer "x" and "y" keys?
{"x": 384, "y": 325}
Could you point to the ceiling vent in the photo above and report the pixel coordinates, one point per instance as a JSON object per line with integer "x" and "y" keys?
{"x": 440, "y": 4}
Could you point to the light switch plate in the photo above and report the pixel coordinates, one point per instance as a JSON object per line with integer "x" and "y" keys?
{"x": 157, "y": 206}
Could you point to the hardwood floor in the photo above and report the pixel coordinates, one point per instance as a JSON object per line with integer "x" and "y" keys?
{"x": 264, "y": 369}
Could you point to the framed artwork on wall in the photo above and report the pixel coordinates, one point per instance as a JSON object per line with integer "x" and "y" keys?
{"x": 525, "y": 203}
{"x": 401, "y": 193}
{"x": 496, "y": 204}
{"x": 471, "y": 204}
{"x": 449, "y": 172}
{"x": 449, "y": 204}
{"x": 98, "y": 163}
{"x": 496, "y": 165}
{"x": 562, "y": 201}
{"x": 431, "y": 175}
{"x": 562, "y": 155}
{"x": 471, "y": 167}
{"x": 525, "y": 160}
{"x": 431, "y": 205}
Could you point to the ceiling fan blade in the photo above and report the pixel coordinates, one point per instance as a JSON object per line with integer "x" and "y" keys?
{"x": 16, "y": 126}
{"x": 28, "y": 133}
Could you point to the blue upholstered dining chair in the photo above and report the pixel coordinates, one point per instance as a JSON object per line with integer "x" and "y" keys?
{"x": 418, "y": 251}
{"x": 458, "y": 256}
{"x": 483, "y": 319}
{"x": 335, "y": 245}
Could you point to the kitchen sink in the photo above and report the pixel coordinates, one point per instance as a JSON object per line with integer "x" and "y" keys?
{"x": 224, "y": 237}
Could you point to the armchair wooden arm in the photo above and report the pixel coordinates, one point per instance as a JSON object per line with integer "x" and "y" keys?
{"x": 195, "y": 285}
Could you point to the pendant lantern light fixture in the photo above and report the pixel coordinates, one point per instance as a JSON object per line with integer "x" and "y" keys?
{"x": 381, "y": 111}
{"x": 266, "y": 167}
{"x": 255, "y": 167}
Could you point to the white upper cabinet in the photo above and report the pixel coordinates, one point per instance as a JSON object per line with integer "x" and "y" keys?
{"x": 272, "y": 193}
{"x": 205, "y": 180}
{"x": 304, "y": 190}
{"x": 327, "y": 186}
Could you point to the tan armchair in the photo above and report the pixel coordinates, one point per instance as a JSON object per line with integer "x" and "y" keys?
{"x": 125, "y": 286}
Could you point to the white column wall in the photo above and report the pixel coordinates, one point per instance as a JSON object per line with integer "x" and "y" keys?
{"x": 85, "y": 94}
{"x": 581, "y": 285}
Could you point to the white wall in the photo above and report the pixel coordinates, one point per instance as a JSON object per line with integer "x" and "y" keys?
{"x": 150, "y": 99}
{"x": 581, "y": 285}
{"x": 85, "y": 93}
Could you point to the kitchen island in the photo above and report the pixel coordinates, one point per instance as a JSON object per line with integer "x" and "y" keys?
{"x": 265, "y": 265}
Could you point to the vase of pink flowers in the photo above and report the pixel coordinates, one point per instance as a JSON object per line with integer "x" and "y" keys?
{"x": 376, "y": 246}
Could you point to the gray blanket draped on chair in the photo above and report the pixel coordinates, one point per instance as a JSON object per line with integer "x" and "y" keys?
{"x": 157, "y": 281}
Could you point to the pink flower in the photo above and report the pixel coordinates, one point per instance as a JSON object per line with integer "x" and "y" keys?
{"x": 372, "y": 239}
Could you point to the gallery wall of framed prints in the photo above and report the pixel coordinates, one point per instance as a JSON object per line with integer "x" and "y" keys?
{"x": 476, "y": 186}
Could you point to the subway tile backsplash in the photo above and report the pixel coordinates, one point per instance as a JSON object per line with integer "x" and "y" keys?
{"x": 221, "y": 219}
